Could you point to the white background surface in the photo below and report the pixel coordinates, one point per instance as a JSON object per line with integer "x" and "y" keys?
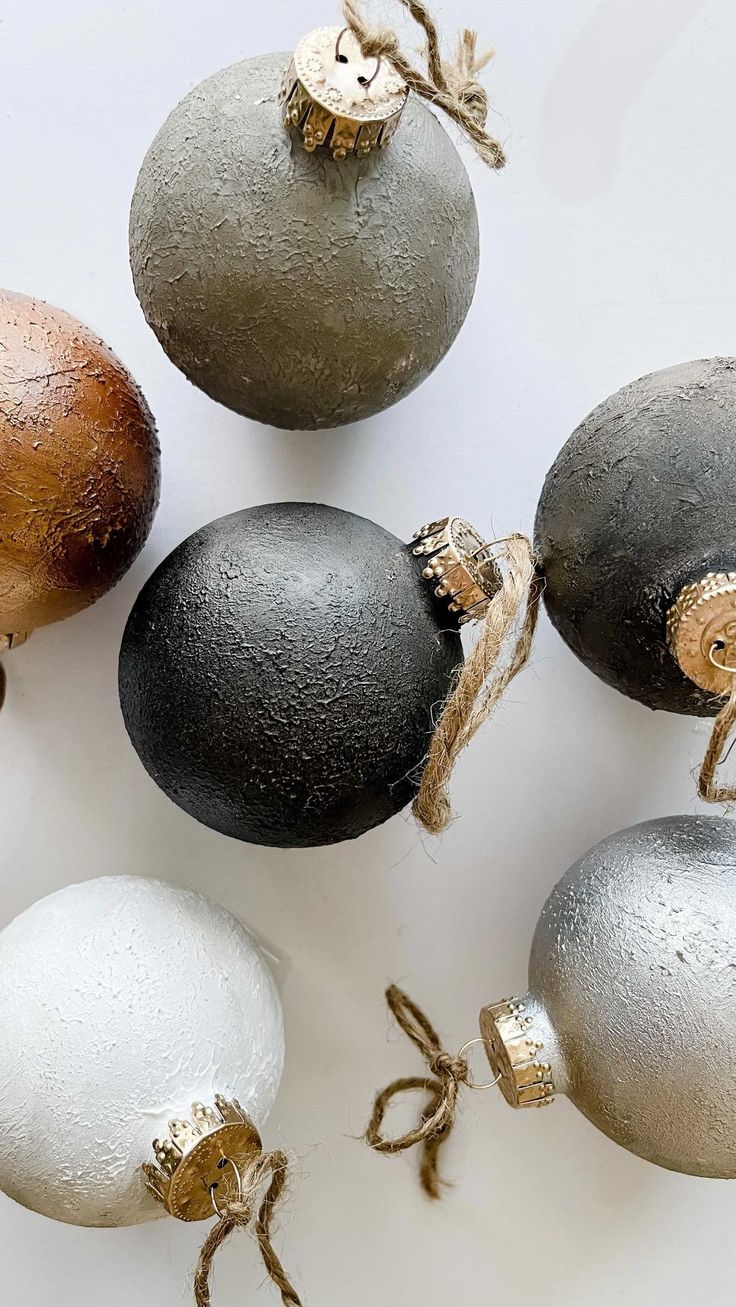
{"x": 608, "y": 251}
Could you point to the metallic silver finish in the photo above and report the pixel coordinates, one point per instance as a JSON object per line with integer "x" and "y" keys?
{"x": 633, "y": 969}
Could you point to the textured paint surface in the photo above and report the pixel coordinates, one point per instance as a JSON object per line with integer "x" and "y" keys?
{"x": 278, "y": 674}
{"x": 123, "y": 1002}
{"x": 79, "y": 466}
{"x": 297, "y": 290}
{"x": 640, "y": 501}
{"x": 634, "y": 962}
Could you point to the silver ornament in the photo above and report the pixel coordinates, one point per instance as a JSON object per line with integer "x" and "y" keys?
{"x": 631, "y": 1010}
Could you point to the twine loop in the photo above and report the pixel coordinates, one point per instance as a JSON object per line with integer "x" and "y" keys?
{"x": 483, "y": 678}
{"x": 454, "y": 87}
{"x": 438, "y": 1115}
{"x": 243, "y": 1212}
{"x": 723, "y": 728}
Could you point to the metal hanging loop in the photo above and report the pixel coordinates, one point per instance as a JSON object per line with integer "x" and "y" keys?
{"x": 365, "y": 82}
{"x": 226, "y": 1161}
{"x": 722, "y": 667}
{"x": 471, "y": 1083}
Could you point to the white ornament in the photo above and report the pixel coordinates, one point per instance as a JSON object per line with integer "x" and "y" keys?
{"x": 123, "y": 1002}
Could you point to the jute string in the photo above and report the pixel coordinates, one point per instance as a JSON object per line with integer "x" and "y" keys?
{"x": 454, "y": 88}
{"x": 442, "y": 1088}
{"x": 240, "y": 1214}
{"x": 483, "y": 679}
{"x": 723, "y": 728}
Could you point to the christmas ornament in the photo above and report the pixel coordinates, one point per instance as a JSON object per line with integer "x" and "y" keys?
{"x": 282, "y": 669}
{"x": 79, "y": 467}
{"x": 630, "y": 1009}
{"x": 124, "y": 1002}
{"x": 291, "y": 267}
{"x": 636, "y": 531}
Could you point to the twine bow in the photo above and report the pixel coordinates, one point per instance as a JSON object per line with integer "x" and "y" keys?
{"x": 723, "y": 727}
{"x": 240, "y": 1214}
{"x": 442, "y": 1088}
{"x": 454, "y": 88}
{"x": 482, "y": 681}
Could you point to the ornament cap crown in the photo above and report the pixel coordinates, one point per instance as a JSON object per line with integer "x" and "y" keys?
{"x": 460, "y": 566}
{"x": 337, "y": 98}
{"x": 701, "y": 631}
{"x": 13, "y": 640}
{"x": 200, "y": 1164}
{"x": 516, "y": 1054}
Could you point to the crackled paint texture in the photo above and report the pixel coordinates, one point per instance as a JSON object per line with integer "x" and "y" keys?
{"x": 633, "y": 967}
{"x": 79, "y": 466}
{"x": 123, "y": 1002}
{"x": 297, "y": 290}
{"x": 279, "y": 671}
{"x": 640, "y": 502}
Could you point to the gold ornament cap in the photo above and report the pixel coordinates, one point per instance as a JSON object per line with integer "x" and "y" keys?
{"x": 8, "y": 642}
{"x": 460, "y": 565}
{"x": 516, "y": 1054}
{"x": 337, "y": 98}
{"x": 200, "y": 1166}
{"x": 701, "y": 631}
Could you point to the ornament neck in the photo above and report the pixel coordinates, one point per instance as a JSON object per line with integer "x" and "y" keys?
{"x": 460, "y": 566}
{"x": 13, "y": 641}
{"x": 338, "y": 98}
{"x": 8, "y": 642}
{"x": 200, "y": 1164}
{"x": 701, "y": 633}
{"x": 523, "y": 1052}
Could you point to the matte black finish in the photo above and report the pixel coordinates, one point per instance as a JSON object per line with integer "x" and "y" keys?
{"x": 278, "y": 674}
{"x": 640, "y": 501}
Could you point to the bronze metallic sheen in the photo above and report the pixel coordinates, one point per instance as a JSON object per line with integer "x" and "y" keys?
{"x": 79, "y": 466}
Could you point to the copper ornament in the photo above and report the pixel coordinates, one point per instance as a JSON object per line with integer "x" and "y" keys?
{"x": 79, "y": 467}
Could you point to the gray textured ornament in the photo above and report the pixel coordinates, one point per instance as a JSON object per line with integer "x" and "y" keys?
{"x": 279, "y": 672}
{"x": 639, "y": 505}
{"x": 297, "y": 289}
{"x": 631, "y": 1010}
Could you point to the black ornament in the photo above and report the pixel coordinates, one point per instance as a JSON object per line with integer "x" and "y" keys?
{"x": 640, "y": 503}
{"x": 279, "y": 672}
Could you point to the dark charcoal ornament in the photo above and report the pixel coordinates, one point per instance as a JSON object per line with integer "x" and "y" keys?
{"x": 280, "y": 670}
{"x": 305, "y": 277}
{"x": 636, "y": 531}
